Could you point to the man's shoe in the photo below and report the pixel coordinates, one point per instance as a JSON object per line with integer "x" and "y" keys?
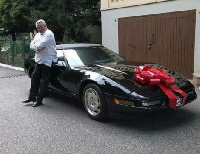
{"x": 35, "y": 104}
{"x": 29, "y": 100}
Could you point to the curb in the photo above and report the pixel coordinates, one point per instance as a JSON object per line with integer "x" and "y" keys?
{"x": 12, "y": 67}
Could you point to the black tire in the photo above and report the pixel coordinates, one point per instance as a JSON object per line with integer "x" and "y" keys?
{"x": 94, "y": 102}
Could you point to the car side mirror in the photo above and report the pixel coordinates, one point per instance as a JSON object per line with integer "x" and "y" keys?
{"x": 61, "y": 63}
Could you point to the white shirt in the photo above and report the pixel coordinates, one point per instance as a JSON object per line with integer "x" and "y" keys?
{"x": 45, "y": 47}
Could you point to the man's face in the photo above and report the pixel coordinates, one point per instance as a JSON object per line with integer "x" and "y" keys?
{"x": 40, "y": 27}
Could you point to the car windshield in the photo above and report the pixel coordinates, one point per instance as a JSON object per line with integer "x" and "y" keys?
{"x": 82, "y": 56}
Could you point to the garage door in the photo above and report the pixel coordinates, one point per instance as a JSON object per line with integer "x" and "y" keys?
{"x": 167, "y": 39}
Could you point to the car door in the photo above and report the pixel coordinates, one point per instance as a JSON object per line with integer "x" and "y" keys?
{"x": 65, "y": 78}
{"x": 73, "y": 76}
{"x": 60, "y": 72}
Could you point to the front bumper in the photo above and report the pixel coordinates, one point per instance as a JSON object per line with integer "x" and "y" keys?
{"x": 136, "y": 106}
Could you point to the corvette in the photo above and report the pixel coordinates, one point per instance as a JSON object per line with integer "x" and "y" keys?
{"x": 106, "y": 84}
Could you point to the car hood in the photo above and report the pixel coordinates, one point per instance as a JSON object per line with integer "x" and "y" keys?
{"x": 124, "y": 70}
{"x": 122, "y": 74}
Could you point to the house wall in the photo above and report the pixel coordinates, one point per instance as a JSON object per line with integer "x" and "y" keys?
{"x": 110, "y": 21}
{"x": 110, "y": 4}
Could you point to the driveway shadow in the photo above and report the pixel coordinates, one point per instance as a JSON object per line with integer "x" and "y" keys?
{"x": 155, "y": 121}
{"x": 150, "y": 121}
{"x": 62, "y": 100}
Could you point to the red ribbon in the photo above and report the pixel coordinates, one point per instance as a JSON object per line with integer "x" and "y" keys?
{"x": 159, "y": 77}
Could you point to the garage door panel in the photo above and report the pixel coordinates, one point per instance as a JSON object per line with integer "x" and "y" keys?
{"x": 167, "y": 39}
{"x": 134, "y": 34}
{"x": 176, "y": 41}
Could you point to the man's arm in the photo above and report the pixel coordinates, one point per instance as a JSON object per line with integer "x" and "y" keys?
{"x": 44, "y": 42}
{"x": 32, "y": 46}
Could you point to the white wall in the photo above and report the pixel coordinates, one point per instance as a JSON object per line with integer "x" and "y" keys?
{"x": 110, "y": 21}
{"x": 197, "y": 42}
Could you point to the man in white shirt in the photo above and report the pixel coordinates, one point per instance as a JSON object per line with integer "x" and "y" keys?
{"x": 44, "y": 45}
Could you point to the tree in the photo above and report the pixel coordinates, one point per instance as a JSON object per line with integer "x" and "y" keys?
{"x": 82, "y": 13}
{"x": 74, "y": 15}
{"x": 12, "y": 14}
{"x": 66, "y": 18}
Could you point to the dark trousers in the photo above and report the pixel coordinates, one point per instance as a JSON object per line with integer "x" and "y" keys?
{"x": 39, "y": 82}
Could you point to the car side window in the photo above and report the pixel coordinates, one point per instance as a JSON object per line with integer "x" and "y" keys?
{"x": 73, "y": 58}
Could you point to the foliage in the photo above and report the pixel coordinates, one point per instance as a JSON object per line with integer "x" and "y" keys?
{"x": 12, "y": 13}
{"x": 14, "y": 52}
{"x": 3, "y": 38}
{"x": 66, "y": 18}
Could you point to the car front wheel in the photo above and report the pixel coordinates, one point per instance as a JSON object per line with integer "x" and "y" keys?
{"x": 94, "y": 102}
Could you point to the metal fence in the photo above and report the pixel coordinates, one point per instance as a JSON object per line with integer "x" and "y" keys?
{"x": 14, "y": 52}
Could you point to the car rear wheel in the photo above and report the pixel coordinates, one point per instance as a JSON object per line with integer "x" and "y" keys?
{"x": 94, "y": 102}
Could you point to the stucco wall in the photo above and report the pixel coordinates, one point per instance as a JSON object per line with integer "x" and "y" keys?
{"x": 110, "y": 4}
{"x": 110, "y": 21}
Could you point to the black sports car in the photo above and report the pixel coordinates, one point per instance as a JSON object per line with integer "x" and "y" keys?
{"x": 106, "y": 83}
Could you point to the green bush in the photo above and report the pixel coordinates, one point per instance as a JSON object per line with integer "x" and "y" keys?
{"x": 13, "y": 53}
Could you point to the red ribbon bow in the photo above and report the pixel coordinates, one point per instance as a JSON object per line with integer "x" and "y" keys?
{"x": 159, "y": 77}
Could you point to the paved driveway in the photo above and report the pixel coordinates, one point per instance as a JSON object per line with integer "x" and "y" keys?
{"x": 7, "y": 72}
{"x": 61, "y": 126}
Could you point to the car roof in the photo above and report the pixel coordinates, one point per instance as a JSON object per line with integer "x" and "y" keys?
{"x": 77, "y": 45}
